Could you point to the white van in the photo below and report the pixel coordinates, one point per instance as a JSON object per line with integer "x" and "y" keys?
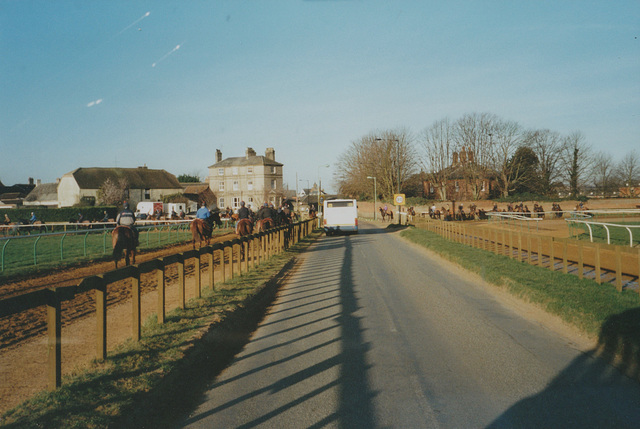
{"x": 340, "y": 216}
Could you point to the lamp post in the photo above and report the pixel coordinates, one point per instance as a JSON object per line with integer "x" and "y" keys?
{"x": 375, "y": 195}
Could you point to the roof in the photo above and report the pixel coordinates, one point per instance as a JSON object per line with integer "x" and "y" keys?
{"x": 137, "y": 178}
{"x": 43, "y": 192}
{"x": 245, "y": 160}
{"x": 196, "y": 188}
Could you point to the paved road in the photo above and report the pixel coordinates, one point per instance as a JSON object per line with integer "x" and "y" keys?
{"x": 371, "y": 333}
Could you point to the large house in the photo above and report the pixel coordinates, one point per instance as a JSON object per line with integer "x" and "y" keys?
{"x": 251, "y": 178}
{"x": 141, "y": 184}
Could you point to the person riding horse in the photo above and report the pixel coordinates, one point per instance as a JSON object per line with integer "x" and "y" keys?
{"x": 127, "y": 218}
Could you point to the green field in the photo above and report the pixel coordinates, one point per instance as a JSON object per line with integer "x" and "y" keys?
{"x": 618, "y": 235}
{"x": 28, "y": 254}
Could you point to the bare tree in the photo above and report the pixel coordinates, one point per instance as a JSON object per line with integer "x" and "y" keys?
{"x": 437, "y": 142}
{"x": 603, "y": 173}
{"x": 547, "y": 146}
{"x": 112, "y": 193}
{"x": 474, "y": 137}
{"x": 628, "y": 172}
{"x": 505, "y": 139}
{"x": 387, "y": 155}
{"x": 576, "y": 161}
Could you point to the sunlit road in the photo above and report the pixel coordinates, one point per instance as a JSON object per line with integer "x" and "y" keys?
{"x": 370, "y": 332}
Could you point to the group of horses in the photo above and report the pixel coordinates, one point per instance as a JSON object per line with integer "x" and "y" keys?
{"x": 475, "y": 213}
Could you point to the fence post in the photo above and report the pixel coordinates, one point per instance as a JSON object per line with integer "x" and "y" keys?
{"x": 101, "y": 320}
{"x": 552, "y": 257}
{"x": 161, "y": 291}
{"x": 597, "y": 267}
{"x": 54, "y": 343}
{"x": 181, "y": 288}
{"x": 565, "y": 263}
{"x": 618, "y": 256}
{"x": 519, "y": 246}
{"x": 580, "y": 259}
{"x": 211, "y": 270}
{"x": 510, "y": 244}
{"x": 539, "y": 239}
{"x": 196, "y": 275}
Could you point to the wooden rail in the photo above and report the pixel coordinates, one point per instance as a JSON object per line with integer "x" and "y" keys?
{"x": 558, "y": 254}
{"x": 257, "y": 249}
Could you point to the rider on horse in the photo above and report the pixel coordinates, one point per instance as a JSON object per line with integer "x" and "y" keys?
{"x": 127, "y": 218}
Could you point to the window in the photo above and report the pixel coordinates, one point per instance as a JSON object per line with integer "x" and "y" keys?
{"x": 484, "y": 185}
{"x": 431, "y": 189}
{"x": 220, "y": 171}
{"x": 273, "y": 183}
{"x": 236, "y": 202}
{"x": 250, "y": 185}
{"x": 249, "y": 170}
{"x": 273, "y": 169}
{"x": 147, "y": 194}
{"x": 235, "y": 185}
{"x": 221, "y": 202}
{"x": 234, "y": 171}
{"x": 457, "y": 187}
{"x": 251, "y": 200}
{"x": 221, "y": 186}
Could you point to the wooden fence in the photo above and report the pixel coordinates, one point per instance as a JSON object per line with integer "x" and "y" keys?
{"x": 619, "y": 265}
{"x": 256, "y": 248}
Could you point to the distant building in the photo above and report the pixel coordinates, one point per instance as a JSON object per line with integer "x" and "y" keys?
{"x": 142, "y": 184}
{"x": 13, "y": 196}
{"x": 464, "y": 179}
{"x": 251, "y": 178}
{"x": 44, "y": 195}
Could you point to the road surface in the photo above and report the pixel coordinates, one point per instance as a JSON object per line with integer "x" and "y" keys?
{"x": 372, "y": 333}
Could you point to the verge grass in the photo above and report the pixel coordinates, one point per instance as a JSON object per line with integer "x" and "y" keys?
{"x": 580, "y": 302}
{"x": 136, "y": 385}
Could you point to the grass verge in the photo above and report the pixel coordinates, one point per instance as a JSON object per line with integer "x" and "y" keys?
{"x": 598, "y": 310}
{"x": 151, "y": 382}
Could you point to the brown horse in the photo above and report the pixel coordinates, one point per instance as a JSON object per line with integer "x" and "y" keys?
{"x": 244, "y": 227}
{"x": 201, "y": 231}
{"x": 386, "y": 213}
{"x": 123, "y": 239}
{"x": 264, "y": 224}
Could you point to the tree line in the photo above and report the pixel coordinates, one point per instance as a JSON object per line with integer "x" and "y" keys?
{"x": 518, "y": 160}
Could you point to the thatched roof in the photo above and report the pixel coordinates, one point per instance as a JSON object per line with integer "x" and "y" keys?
{"x": 137, "y": 178}
{"x": 43, "y": 192}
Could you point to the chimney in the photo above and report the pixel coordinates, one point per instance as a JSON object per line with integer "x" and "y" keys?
{"x": 455, "y": 158}
{"x": 470, "y": 155}
{"x": 270, "y": 153}
{"x": 250, "y": 152}
{"x": 463, "y": 155}
{"x": 30, "y": 180}
{"x": 38, "y": 182}
{"x": 218, "y": 155}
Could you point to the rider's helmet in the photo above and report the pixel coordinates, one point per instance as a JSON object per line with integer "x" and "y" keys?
{"x": 242, "y": 203}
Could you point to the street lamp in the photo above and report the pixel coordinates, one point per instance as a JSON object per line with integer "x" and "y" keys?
{"x": 375, "y": 195}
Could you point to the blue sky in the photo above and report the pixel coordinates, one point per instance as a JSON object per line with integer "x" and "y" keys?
{"x": 166, "y": 83}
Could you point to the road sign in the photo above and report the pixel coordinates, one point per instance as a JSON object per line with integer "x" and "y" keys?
{"x": 398, "y": 199}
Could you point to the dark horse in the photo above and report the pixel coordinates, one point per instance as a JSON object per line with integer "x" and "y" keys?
{"x": 244, "y": 227}
{"x": 123, "y": 240}
{"x": 201, "y": 231}
{"x": 264, "y": 224}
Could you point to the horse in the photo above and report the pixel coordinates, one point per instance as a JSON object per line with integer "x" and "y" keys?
{"x": 264, "y": 224}
{"x": 244, "y": 227}
{"x": 386, "y": 213}
{"x": 123, "y": 239}
{"x": 201, "y": 231}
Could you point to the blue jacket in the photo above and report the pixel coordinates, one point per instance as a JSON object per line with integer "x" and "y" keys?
{"x": 203, "y": 213}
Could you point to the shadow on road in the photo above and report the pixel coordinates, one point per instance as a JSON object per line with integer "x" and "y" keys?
{"x": 590, "y": 392}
